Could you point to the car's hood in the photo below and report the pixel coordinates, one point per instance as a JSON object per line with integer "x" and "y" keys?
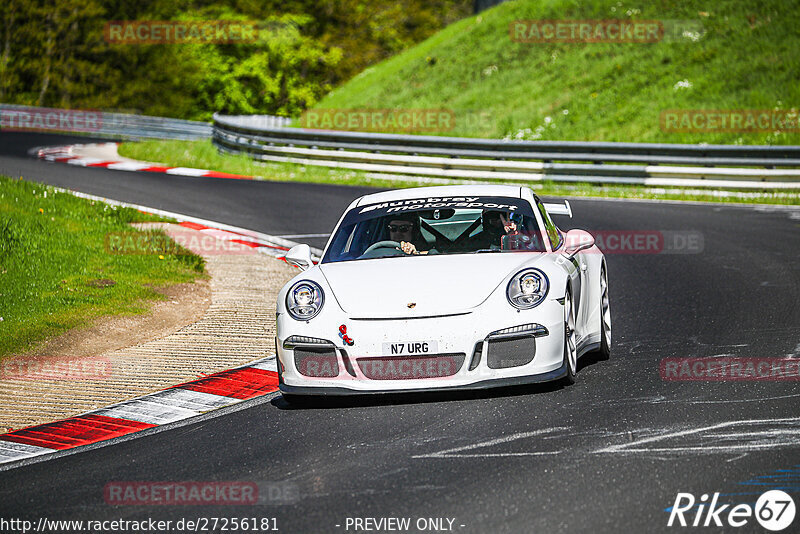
{"x": 435, "y": 285}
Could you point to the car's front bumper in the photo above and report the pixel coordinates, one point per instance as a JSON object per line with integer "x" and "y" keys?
{"x": 353, "y": 367}
{"x": 334, "y": 391}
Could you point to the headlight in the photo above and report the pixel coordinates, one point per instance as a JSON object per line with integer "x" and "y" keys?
{"x": 527, "y": 289}
{"x": 304, "y": 300}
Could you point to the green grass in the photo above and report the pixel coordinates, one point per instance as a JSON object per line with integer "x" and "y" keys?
{"x": 746, "y": 58}
{"x": 55, "y": 269}
{"x": 202, "y": 154}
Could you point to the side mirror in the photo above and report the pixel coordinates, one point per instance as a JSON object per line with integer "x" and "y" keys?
{"x": 576, "y": 240}
{"x": 300, "y": 256}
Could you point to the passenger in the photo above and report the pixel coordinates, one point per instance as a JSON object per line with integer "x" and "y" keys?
{"x": 496, "y": 224}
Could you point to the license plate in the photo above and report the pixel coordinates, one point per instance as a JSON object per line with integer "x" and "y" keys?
{"x": 410, "y": 348}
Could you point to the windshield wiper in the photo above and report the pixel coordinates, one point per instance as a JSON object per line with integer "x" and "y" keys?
{"x": 488, "y": 250}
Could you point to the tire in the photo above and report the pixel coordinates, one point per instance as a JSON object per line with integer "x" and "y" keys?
{"x": 570, "y": 350}
{"x": 605, "y": 317}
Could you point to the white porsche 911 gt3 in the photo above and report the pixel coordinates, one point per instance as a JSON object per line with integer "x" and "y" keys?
{"x": 438, "y": 288}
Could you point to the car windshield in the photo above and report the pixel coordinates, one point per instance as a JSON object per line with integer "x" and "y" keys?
{"x": 433, "y": 226}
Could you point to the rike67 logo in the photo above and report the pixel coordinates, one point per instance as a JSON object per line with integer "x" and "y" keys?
{"x": 774, "y": 510}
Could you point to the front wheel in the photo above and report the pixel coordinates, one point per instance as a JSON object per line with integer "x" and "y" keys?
{"x": 570, "y": 350}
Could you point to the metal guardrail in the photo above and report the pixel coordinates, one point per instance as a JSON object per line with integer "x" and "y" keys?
{"x": 99, "y": 123}
{"x": 257, "y": 122}
{"x": 467, "y": 158}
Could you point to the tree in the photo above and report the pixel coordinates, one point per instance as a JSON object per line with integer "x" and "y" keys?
{"x": 53, "y": 53}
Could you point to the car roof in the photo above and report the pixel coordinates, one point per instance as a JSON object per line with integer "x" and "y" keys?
{"x": 511, "y": 191}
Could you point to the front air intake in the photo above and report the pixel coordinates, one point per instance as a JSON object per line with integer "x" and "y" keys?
{"x": 510, "y": 352}
{"x": 316, "y": 362}
{"x": 411, "y": 367}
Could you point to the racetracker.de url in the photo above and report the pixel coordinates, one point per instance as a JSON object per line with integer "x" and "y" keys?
{"x": 194, "y": 524}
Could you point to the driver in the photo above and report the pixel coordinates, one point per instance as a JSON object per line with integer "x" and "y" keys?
{"x": 405, "y": 230}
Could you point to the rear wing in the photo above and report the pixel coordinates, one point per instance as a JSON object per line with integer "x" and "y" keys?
{"x": 559, "y": 209}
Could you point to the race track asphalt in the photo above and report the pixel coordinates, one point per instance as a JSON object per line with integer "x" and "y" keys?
{"x": 608, "y": 454}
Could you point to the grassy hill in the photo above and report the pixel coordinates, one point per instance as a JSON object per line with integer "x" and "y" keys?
{"x": 745, "y": 57}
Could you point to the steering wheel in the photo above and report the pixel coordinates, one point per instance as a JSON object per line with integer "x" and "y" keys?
{"x": 383, "y": 244}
